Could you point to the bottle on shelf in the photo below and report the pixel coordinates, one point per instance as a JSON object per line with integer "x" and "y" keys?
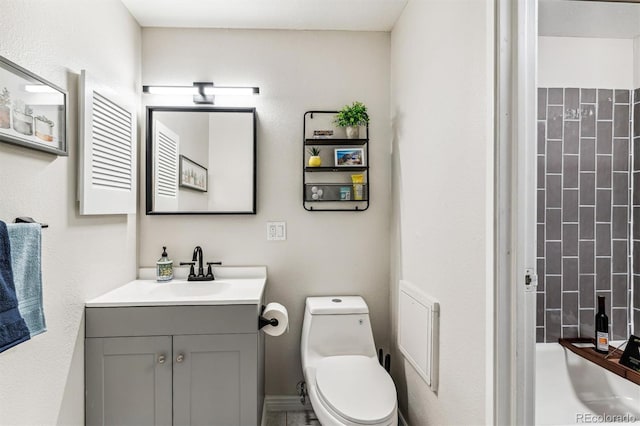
{"x": 602, "y": 328}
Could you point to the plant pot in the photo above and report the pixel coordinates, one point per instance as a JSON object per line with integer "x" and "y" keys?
{"x": 44, "y": 130}
{"x": 22, "y": 123}
{"x": 5, "y": 117}
{"x": 353, "y": 132}
{"x": 315, "y": 161}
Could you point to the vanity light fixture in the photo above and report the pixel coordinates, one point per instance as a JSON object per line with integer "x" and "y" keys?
{"x": 203, "y": 92}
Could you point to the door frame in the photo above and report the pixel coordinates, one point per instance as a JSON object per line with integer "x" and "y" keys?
{"x": 514, "y": 185}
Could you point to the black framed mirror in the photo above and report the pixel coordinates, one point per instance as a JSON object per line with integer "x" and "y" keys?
{"x": 200, "y": 160}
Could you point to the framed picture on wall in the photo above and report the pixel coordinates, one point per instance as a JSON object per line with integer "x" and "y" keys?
{"x": 33, "y": 112}
{"x": 349, "y": 157}
{"x": 193, "y": 175}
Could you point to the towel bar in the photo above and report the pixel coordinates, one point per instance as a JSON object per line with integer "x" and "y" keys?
{"x": 26, "y": 219}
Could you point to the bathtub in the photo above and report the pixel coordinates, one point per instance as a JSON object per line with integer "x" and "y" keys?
{"x": 572, "y": 390}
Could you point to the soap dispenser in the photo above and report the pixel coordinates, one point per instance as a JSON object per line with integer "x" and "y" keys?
{"x": 164, "y": 267}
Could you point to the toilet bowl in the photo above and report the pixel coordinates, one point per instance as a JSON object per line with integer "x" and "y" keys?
{"x": 346, "y": 384}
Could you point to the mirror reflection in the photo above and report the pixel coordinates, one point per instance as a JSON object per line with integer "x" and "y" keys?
{"x": 200, "y": 160}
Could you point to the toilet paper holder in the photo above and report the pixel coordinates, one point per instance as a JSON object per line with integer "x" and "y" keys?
{"x": 262, "y": 321}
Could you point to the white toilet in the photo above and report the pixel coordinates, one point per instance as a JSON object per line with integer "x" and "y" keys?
{"x": 346, "y": 384}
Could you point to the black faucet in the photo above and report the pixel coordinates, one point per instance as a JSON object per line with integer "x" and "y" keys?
{"x": 197, "y": 256}
{"x": 200, "y": 276}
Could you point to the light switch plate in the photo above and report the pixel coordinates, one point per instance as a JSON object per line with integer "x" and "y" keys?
{"x": 276, "y": 231}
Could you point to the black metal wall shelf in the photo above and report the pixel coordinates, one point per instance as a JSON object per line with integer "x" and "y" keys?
{"x": 337, "y": 190}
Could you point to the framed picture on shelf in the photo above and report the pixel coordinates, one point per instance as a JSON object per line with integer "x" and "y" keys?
{"x": 33, "y": 112}
{"x": 193, "y": 175}
{"x": 345, "y": 157}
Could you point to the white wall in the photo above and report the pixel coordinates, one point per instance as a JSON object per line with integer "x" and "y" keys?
{"x": 43, "y": 379}
{"x": 636, "y": 62}
{"x": 585, "y": 62}
{"x": 442, "y": 103}
{"x": 326, "y": 253}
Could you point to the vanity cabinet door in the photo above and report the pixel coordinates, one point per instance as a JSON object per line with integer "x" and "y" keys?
{"x": 215, "y": 380}
{"x": 128, "y": 381}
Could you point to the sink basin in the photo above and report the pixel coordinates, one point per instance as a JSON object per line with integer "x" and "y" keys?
{"x": 233, "y": 286}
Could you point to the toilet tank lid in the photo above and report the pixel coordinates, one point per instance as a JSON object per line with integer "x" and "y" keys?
{"x": 337, "y": 305}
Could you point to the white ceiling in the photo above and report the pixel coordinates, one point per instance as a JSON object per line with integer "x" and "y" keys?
{"x": 569, "y": 18}
{"x": 354, "y": 15}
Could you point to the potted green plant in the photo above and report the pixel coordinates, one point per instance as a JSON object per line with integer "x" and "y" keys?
{"x": 351, "y": 117}
{"x": 314, "y": 159}
{"x": 5, "y": 109}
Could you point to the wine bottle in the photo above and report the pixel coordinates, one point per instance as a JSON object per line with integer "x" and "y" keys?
{"x": 602, "y": 328}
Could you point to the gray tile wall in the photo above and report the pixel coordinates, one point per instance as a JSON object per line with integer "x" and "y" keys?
{"x": 636, "y": 211}
{"x": 584, "y": 205}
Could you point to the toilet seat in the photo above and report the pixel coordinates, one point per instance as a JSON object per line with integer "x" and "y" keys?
{"x": 357, "y": 388}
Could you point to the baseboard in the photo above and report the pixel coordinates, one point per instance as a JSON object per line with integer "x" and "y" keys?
{"x": 401, "y": 419}
{"x": 284, "y": 403}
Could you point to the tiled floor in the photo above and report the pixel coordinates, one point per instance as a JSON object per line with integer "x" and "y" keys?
{"x": 292, "y": 418}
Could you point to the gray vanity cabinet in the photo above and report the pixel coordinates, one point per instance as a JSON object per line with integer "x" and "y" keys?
{"x": 177, "y": 365}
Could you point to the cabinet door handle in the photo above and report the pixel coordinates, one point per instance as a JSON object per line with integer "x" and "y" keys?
{"x": 161, "y": 358}
{"x": 180, "y": 358}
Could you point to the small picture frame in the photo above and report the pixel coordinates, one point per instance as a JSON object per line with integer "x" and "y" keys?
{"x": 349, "y": 157}
{"x": 193, "y": 175}
{"x": 33, "y": 112}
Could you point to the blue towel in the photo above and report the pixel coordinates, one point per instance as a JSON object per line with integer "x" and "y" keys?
{"x": 27, "y": 274}
{"x": 13, "y": 329}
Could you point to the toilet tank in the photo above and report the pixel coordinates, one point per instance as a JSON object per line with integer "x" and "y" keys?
{"x": 336, "y": 326}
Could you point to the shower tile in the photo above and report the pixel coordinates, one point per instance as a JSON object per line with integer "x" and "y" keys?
{"x": 554, "y": 156}
{"x": 603, "y": 205}
{"x": 621, "y": 155}
{"x": 588, "y": 121}
{"x": 636, "y": 319}
{"x": 636, "y": 256}
{"x": 619, "y": 257}
{"x": 636, "y": 95}
{"x": 603, "y": 239}
{"x": 569, "y": 308}
{"x": 587, "y": 155}
{"x": 571, "y": 98}
{"x": 554, "y": 122}
{"x": 604, "y": 137}
{"x": 555, "y": 96}
{"x": 587, "y": 188}
{"x": 620, "y": 222}
{"x": 540, "y": 240}
{"x": 571, "y": 137}
{"x": 622, "y": 96}
{"x": 605, "y": 104}
{"x": 587, "y": 320}
{"x": 542, "y": 103}
{"x": 636, "y": 292}
{"x": 587, "y": 223}
{"x": 619, "y": 324}
{"x": 540, "y": 205}
{"x": 554, "y": 292}
{"x": 570, "y": 205}
{"x": 636, "y": 188}
{"x": 586, "y": 257}
{"x": 636, "y": 150}
{"x": 553, "y": 325}
{"x": 603, "y": 173}
{"x": 553, "y": 258}
{"x": 619, "y": 291}
{"x": 554, "y": 225}
{"x": 570, "y": 240}
{"x": 540, "y": 171}
{"x": 621, "y": 121}
{"x": 603, "y": 273}
{"x": 570, "y": 171}
{"x": 540, "y": 308}
{"x": 541, "y": 136}
{"x": 570, "y": 332}
{"x": 540, "y": 272}
{"x": 620, "y": 189}
{"x": 636, "y": 119}
{"x": 554, "y": 191}
{"x": 587, "y": 291}
{"x": 539, "y": 334}
{"x": 570, "y": 274}
{"x": 588, "y": 96}
{"x": 636, "y": 227}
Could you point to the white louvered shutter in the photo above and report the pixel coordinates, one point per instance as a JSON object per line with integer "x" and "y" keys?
{"x": 166, "y": 145}
{"x": 108, "y": 145}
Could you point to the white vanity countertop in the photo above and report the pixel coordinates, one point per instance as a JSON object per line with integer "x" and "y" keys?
{"x": 234, "y": 285}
